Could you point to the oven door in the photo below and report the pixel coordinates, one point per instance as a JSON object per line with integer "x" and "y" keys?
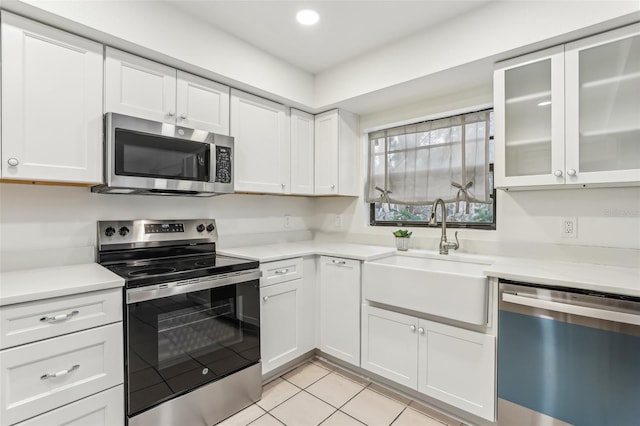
{"x": 180, "y": 336}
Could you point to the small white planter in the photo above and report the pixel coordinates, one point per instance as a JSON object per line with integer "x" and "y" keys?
{"x": 402, "y": 243}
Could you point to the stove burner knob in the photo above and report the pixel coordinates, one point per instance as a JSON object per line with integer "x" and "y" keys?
{"x": 110, "y": 231}
{"x": 200, "y": 228}
{"x": 210, "y": 227}
{"x": 123, "y": 231}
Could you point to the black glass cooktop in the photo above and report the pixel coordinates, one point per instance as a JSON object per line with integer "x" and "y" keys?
{"x": 157, "y": 271}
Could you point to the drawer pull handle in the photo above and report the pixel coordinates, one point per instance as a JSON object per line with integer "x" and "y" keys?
{"x": 339, "y": 262}
{"x": 61, "y": 317}
{"x": 59, "y": 373}
{"x": 281, "y": 271}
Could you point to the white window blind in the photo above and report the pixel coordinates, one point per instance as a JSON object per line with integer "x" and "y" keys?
{"x": 446, "y": 158}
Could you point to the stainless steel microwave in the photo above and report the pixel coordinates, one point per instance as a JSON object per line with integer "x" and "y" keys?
{"x": 149, "y": 157}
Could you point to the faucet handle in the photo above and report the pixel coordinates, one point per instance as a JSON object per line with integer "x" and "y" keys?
{"x": 457, "y": 244}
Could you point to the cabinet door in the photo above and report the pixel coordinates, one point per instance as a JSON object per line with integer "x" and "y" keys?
{"x": 326, "y": 149}
{"x": 390, "y": 345}
{"x": 603, "y": 107}
{"x": 202, "y": 104}
{"x": 139, "y": 87}
{"x": 51, "y": 104}
{"x": 102, "y": 409}
{"x": 457, "y": 366}
{"x": 261, "y": 131}
{"x": 340, "y": 308}
{"x": 302, "y": 152}
{"x": 529, "y": 120}
{"x": 280, "y": 322}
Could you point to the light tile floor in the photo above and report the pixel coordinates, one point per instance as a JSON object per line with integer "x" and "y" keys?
{"x": 317, "y": 393}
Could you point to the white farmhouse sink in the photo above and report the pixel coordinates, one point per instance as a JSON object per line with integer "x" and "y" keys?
{"x": 447, "y": 288}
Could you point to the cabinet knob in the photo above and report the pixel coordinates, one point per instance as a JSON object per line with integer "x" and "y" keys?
{"x": 282, "y": 184}
{"x": 571, "y": 172}
{"x": 171, "y": 114}
{"x": 13, "y": 162}
{"x": 412, "y": 327}
{"x": 557, "y": 173}
{"x": 421, "y": 330}
{"x": 183, "y": 116}
{"x": 265, "y": 298}
{"x": 333, "y": 187}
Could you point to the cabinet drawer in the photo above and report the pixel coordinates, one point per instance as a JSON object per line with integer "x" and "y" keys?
{"x": 41, "y": 376}
{"x": 280, "y": 271}
{"x": 102, "y": 409}
{"x": 29, "y": 322}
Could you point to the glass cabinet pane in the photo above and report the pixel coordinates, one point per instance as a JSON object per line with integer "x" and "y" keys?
{"x": 609, "y": 106}
{"x": 528, "y": 119}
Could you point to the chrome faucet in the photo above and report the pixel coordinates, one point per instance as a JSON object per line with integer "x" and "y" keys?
{"x": 444, "y": 244}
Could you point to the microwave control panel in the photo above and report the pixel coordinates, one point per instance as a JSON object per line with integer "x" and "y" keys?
{"x": 223, "y": 164}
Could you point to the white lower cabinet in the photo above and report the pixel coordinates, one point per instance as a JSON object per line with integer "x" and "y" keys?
{"x": 340, "y": 308}
{"x": 390, "y": 345}
{"x": 281, "y": 321}
{"x": 41, "y": 376}
{"x": 102, "y": 409}
{"x": 286, "y": 312}
{"x": 451, "y": 364}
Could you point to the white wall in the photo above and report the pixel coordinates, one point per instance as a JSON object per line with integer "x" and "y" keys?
{"x": 37, "y": 218}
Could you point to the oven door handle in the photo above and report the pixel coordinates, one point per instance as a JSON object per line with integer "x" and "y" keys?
{"x": 151, "y": 292}
{"x": 584, "y": 311}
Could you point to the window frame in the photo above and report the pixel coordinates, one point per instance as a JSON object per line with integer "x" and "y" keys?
{"x": 460, "y": 225}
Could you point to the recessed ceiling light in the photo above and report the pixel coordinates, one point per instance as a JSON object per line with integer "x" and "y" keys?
{"x": 308, "y": 17}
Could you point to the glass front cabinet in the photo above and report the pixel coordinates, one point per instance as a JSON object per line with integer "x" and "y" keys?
{"x": 570, "y": 115}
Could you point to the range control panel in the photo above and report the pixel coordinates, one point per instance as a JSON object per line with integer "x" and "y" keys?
{"x": 146, "y": 233}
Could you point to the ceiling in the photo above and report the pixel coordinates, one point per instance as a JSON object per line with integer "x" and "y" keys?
{"x": 347, "y": 28}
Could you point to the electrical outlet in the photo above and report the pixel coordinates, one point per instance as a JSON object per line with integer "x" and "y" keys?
{"x": 569, "y": 227}
{"x": 338, "y": 221}
{"x": 287, "y": 221}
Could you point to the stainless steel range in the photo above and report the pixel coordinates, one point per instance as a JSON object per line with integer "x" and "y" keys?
{"x": 192, "y": 321}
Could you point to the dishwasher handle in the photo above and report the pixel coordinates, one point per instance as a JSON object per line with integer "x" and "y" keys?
{"x": 585, "y": 311}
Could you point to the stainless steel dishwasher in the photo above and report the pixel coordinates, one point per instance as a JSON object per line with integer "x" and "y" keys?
{"x": 567, "y": 356}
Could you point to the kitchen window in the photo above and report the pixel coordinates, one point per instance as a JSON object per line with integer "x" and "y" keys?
{"x": 450, "y": 158}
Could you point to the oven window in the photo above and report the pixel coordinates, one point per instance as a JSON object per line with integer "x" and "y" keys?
{"x": 177, "y": 343}
{"x": 146, "y": 155}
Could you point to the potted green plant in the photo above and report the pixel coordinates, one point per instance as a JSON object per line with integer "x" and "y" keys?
{"x": 402, "y": 239}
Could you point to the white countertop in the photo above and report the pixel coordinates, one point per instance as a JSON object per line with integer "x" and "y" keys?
{"x": 586, "y": 276}
{"x": 271, "y": 252}
{"x": 603, "y": 278}
{"x": 43, "y": 283}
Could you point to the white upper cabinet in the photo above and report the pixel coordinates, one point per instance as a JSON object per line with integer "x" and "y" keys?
{"x": 570, "y": 115}
{"x": 603, "y": 108}
{"x": 529, "y": 114}
{"x": 51, "y": 104}
{"x": 142, "y": 88}
{"x": 302, "y": 152}
{"x": 261, "y": 131}
{"x": 337, "y": 160}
